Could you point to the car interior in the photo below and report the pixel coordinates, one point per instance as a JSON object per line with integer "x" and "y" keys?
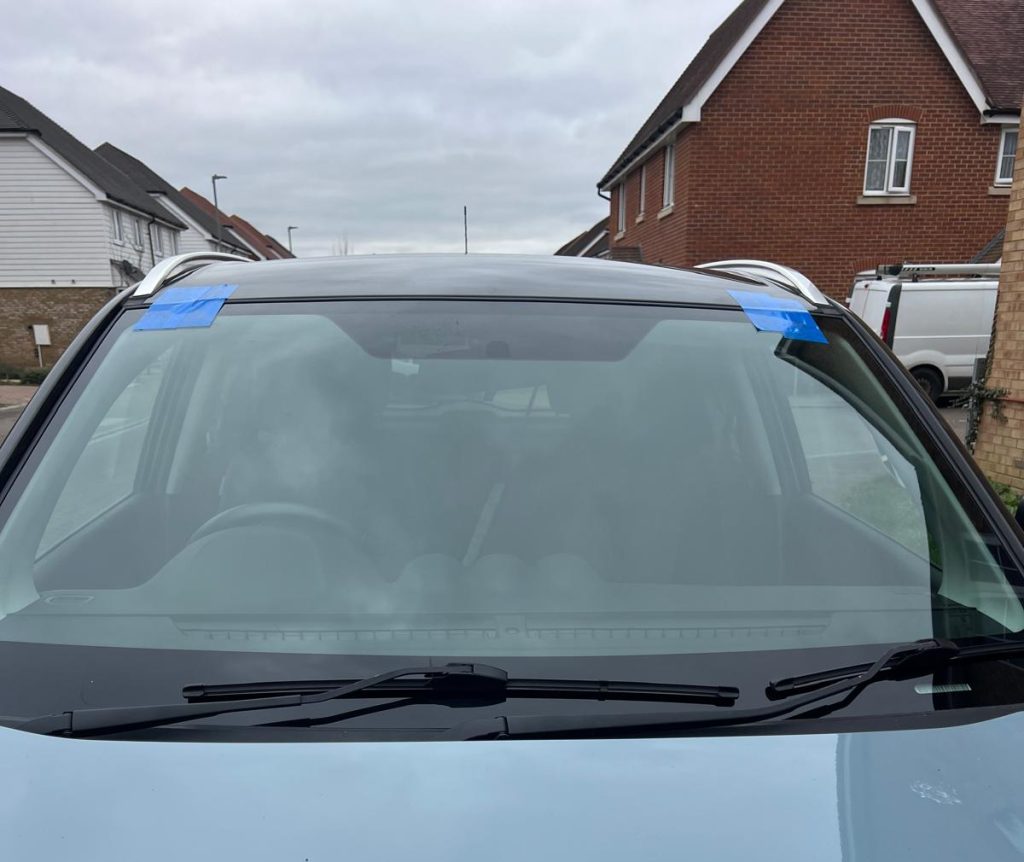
{"x": 294, "y": 471}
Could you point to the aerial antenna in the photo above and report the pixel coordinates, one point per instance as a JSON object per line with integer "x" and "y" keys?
{"x": 465, "y": 229}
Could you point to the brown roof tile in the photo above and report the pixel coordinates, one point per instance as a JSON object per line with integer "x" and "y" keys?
{"x": 258, "y": 240}
{"x": 575, "y": 246}
{"x": 715, "y": 50}
{"x": 991, "y": 35}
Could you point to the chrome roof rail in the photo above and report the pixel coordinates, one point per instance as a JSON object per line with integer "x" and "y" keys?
{"x": 764, "y": 270}
{"x": 160, "y": 273}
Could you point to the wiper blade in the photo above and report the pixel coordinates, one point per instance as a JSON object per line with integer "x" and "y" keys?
{"x": 583, "y": 689}
{"x": 784, "y": 688}
{"x": 451, "y": 680}
{"x": 912, "y": 659}
{"x": 101, "y": 720}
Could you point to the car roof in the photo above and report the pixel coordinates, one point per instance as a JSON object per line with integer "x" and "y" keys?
{"x": 477, "y": 276}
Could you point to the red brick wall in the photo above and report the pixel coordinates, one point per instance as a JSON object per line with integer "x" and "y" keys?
{"x": 1000, "y": 447}
{"x": 776, "y": 165}
{"x": 64, "y": 309}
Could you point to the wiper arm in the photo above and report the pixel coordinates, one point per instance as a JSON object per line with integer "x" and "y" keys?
{"x": 101, "y": 720}
{"x": 785, "y": 688}
{"x": 911, "y": 659}
{"x": 451, "y": 680}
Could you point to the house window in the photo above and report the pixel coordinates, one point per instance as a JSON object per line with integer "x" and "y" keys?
{"x": 1007, "y": 152}
{"x": 171, "y": 246}
{"x": 890, "y": 158}
{"x": 118, "y": 227}
{"x": 621, "y": 221}
{"x": 158, "y": 239}
{"x": 643, "y": 191}
{"x": 137, "y": 232}
{"x": 668, "y": 186}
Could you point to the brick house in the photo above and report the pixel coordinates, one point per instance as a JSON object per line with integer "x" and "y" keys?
{"x": 73, "y": 229}
{"x": 1000, "y": 444}
{"x": 831, "y": 136}
{"x": 259, "y": 243}
{"x": 593, "y": 242}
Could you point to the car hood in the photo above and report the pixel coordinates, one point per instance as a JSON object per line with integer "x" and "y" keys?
{"x": 949, "y": 793}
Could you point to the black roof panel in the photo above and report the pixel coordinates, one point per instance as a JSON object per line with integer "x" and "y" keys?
{"x": 475, "y": 275}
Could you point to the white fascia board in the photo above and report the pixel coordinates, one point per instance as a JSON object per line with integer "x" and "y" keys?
{"x": 691, "y": 111}
{"x": 951, "y": 50}
{"x": 1002, "y": 119}
{"x": 600, "y": 236}
{"x": 67, "y": 167}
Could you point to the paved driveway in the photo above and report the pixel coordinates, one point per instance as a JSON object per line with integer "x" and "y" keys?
{"x": 957, "y": 419}
{"x": 12, "y": 399}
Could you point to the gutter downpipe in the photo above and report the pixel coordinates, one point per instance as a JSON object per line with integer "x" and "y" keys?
{"x": 149, "y": 231}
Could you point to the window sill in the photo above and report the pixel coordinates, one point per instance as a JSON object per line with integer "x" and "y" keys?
{"x": 620, "y": 235}
{"x": 667, "y": 211}
{"x": 886, "y": 200}
{"x": 1002, "y": 191}
{"x": 638, "y": 219}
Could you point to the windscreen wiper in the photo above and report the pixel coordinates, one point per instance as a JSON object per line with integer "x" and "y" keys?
{"x": 785, "y": 688}
{"x": 904, "y": 661}
{"x": 462, "y": 680}
{"x": 444, "y": 684}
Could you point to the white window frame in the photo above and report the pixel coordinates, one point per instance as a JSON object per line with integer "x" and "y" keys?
{"x": 172, "y": 241}
{"x": 620, "y": 220}
{"x": 1000, "y": 179}
{"x": 643, "y": 191}
{"x": 137, "y": 233}
{"x": 668, "y": 180}
{"x": 118, "y": 227}
{"x": 895, "y": 126}
{"x": 158, "y": 240}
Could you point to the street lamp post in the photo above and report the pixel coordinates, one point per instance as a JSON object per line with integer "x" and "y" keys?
{"x": 216, "y": 206}
{"x": 291, "y": 227}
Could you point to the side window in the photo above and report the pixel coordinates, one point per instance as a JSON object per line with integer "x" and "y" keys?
{"x": 668, "y": 187}
{"x": 854, "y": 468}
{"x": 105, "y": 472}
{"x": 1007, "y": 154}
{"x": 890, "y": 158}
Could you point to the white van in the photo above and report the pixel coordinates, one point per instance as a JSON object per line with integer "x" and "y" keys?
{"x": 944, "y": 319}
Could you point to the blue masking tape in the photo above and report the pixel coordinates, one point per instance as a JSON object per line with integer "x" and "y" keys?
{"x": 779, "y": 314}
{"x": 185, "y": 307}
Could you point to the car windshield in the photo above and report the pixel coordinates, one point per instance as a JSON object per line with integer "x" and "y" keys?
{"x": 488, "y": 478}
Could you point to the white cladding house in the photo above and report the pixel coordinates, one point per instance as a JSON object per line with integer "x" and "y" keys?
{"x": 73, "y": 229}
{"x": 200, "y": 232}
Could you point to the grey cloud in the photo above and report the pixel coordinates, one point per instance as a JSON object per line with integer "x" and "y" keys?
{"x": 376, "y": 119}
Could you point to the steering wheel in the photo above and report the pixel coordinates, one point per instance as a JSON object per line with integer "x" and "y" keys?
{"x": 275, "y": 514}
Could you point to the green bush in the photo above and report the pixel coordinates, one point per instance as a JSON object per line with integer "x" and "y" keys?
{"x": 1008, "y": 495}
{"x": 34, "y": 377}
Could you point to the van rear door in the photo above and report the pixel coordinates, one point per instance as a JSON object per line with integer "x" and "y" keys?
{"x": 945, "y": 325}
{"x": 868, "y": 301}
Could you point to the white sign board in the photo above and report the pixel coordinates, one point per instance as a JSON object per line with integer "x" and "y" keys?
{"x": 41, "y": 333}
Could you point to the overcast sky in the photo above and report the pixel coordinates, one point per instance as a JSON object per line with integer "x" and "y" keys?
{"x": 375, "y": 119}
